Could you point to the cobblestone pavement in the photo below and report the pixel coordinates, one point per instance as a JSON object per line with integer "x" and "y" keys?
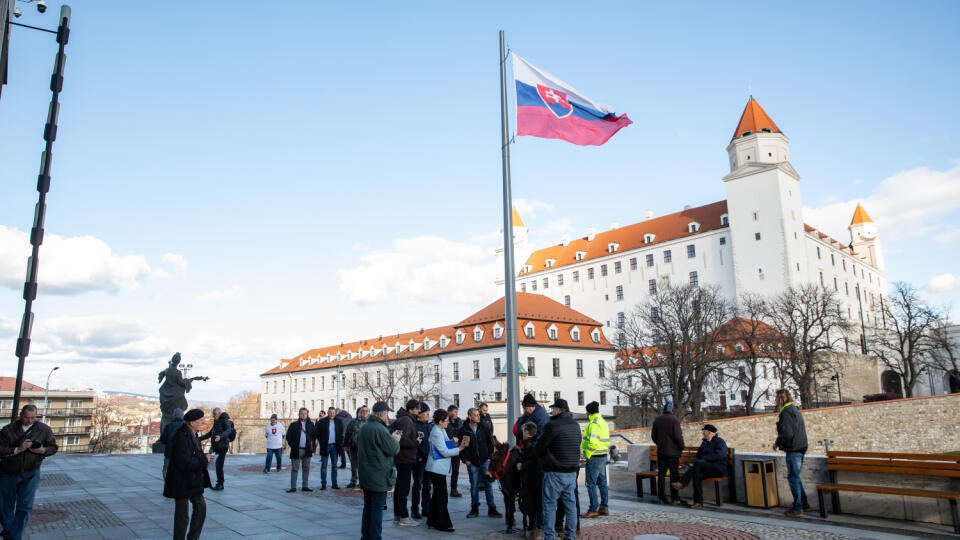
{"x": 95, "y": 497}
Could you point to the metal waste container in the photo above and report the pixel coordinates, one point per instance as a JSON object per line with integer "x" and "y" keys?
{"x": 760, "y": 480}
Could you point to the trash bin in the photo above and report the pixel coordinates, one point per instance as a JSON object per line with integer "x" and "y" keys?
{"x": 760, "y": 480}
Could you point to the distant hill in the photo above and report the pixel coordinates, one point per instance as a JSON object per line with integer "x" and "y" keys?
{"x": 119, "y": 393}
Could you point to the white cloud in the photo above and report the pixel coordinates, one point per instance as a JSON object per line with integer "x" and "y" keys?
{"x": 220, "y": 295}
{"x": 176, "y": 261}
{"x": 8, "y": 327}
{"x": 906, "y": 205}
{"x": 528, "y": 208}
{"x": 422, "y": 269}
{"x": 943, "y": 283}
{"x": 69, "y": 265}
{"x": 95, "y": 339}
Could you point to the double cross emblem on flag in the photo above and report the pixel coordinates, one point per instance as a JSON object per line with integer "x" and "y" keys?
{"x": 555, "y": 100}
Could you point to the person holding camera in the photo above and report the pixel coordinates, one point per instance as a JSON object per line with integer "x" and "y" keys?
{"x": 23, "y": 445}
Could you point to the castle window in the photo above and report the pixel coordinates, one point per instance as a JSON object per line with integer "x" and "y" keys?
{"x": 648, "y": 238}
{"x": 691, "y": 251}
{"x": 580, "y": 255}
{"x": 649, "y": 260}
{"x": 603, "y": 270}
{"x": 693, "y": 227}
{"x": 552, "y": 333}
{"x": 619, "y": 292}
{"x": 546, "y": 283}
{"x": 724, "y": 219}
{"x": 559, "y": 279}
{"x": 589, "y": 273}
{"x": 566, "y": 300}
{"x": 460, "y": 336}
{"x": 497, "y": 332}
{"x": 528, "y": 331}
{"x": 652, "y": 285}
{"x": 633, "y": 263}
{"x": 612, "y": 246}
{"x": 575, "y": 334}
{"x": 523, "y": 287}
{"x": 551, "y": 262}
{"x": 576, "y": 276}
{"x": 477, "y": 334}
{"x": 595, "y": 336}
{"x": 617, "y": 267}
{"x": 694, "y": 279}
{"x": 667, "y": 256}
{"x": 756, "y": 216}
{"x": 533, "y": 285}
{"x": 723, "y": 240}
{"x": 756, "y": 236}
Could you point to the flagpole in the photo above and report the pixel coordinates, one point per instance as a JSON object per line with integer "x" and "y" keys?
{"x": 510, "y": 294}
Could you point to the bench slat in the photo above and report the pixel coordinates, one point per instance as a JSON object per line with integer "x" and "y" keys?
{"x": 894, "y": 463}
{"x": 888, "y": 490}
{"x": 890, "y": 455}
{"x": 895, "y": 470}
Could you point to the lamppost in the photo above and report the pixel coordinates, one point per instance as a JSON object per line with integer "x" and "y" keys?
{"x": 836, "y": 377}
{"x": 46, "y": 395}
{"x": 185, "y": 368}
{"x": 43, "y": 186}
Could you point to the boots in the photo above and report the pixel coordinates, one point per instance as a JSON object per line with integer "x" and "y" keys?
{"x": 492, "y": 512}
{"x": 474, "y": 512}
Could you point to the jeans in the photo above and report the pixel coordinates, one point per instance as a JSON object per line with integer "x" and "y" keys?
{"x": 371, "y": 527}
{"x": 422, "y": 486}
{"x": 597, "y": 478}
{"x": 221, "y": 456}
{"x": 16, "y": 500}
{"x": 478, "y": 481}
{"x": 329, "y": 455}
{"x": 295, "y": 465}
{"x": 402, "y": 490}
{"x": 794, "y": 466}
{"x": 270, "y": 453}
{"x": 671, "y": 464}
{"x": 181, "y": 519}
{"x": 559, "y": 486}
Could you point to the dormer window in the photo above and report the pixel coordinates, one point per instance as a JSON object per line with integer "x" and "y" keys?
{"x": 595, "y": 336}
{"x": 477, "y": 334}
{"x": 580, "y": 255}
{"x": 460, "y": 336}
{"x": 575, "y": 334}
{"x": 426, "y": 343}
{"x": 724, "y": 219}
{"x": 745, "y": 133}
{"x": 497, "y": 331}
{"x": 399, "y": 348}
{"x": 551, "y": 262}
{"x": 766, "y": 130}
{"x": 443, "y": 342}
{"x": 648, "y": 238}
{"x": 693, "y": 227}
{"x": 552, "y": 332}
{"x": 385, "y": 350}
{"x": 612, "y": 247}
{"x": 527, "y": 268}
{"x": 721, "y": 349}
{"x": 738, "y": 347}
{"x": 528, "y": 331}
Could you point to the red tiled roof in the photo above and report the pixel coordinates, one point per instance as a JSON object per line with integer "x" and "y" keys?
{"x": 754, "y": 120}
{"x": 664, "y": 228}
{"x": 7, "y": 384}
{"x": 539, "y": 310}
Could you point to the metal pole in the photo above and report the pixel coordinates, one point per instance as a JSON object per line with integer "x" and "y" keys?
{"x": 43, "y": 186}
{"x": 510, "y": 296}
{"x": 46, "y": 394}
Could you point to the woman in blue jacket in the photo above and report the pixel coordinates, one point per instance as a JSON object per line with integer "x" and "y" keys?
{"x": 438, "y": 468}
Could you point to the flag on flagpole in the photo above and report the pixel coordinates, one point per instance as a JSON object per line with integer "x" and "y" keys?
{"x": 550, "y": 108}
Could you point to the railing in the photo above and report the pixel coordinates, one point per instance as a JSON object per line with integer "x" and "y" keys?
{"x": 74, "y": 449}
{"x": 57, "y": 413}
{"x": 71, "y": 430}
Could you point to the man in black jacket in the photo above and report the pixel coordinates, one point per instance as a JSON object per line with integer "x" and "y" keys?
{"x": 302, "y": 439}
{"x": 167, "y": 436}
{"x": 454, "y": 426}
{"x": 329, "y": 439}
{"x": 559, "y": 452}
{"x": 187, "y": 477}
{"x": 792, "y": 439}
{"x": 668, "y": 436}
{"x": 476, "y": 456}
{"x": 711, "y": 462}
{"x": 220, "y": 435}
{"x": 405, "y": 460}
{"x": 24, "y": 444}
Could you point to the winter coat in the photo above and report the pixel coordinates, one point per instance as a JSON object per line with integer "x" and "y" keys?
{"x": 187, "y": 474}
{"x": 791, "y": 430}
{"x": 408, "y": 440}
{"x": 323, "y": 433}
{"x": 480, "y": 449}
{"x": 274, "y": 434}
{"x": 293, "y": 439}
{"x": 167, "y": 436}
{"x": 344, "y": 419}
{"x": 667, "y": 435}
{"x": 375, "y": 454}
{"x": 454, "y": 427}
{"x": 352, "y": 433}
{"x": 531, "y": 479}
{"x": 487, "y": 422}
{"x": 12, "y": 436}
{"x": 223, "y": 427}
{"x": 438, "y": 441}
{"x": 559, "y": 446}
{"x": 424, "y": 449}
{"x": 713, "y": 452}
{"x": 539, "y": 417}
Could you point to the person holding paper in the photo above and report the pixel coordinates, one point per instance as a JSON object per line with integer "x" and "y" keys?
{"x": 438, "y": 468}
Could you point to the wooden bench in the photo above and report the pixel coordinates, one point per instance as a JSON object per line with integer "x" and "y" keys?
{"x": 688, "y": 456}
{"x": 942, "y": 465}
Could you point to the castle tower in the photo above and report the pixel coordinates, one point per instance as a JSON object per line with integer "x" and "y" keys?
{"x": 864, "y": 239}
{"x": 521, "y": 251}
{"x": 764, "y": 206}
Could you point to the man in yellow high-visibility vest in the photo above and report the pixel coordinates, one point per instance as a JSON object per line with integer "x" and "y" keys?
{"x": 595, "y": 446}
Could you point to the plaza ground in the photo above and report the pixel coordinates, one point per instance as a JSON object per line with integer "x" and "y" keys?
{"x": 95, "y": 496}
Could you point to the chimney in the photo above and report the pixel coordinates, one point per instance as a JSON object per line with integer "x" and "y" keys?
{"x": 648, "y": 214}
{"x": 614, "y": 225}
{"x": 686, "y": 207}
{"x": 565, "y": 240}
{"x": 591, "y": 233}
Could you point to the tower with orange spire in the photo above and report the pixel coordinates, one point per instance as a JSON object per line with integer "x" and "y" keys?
{"x": 864, "y": 238}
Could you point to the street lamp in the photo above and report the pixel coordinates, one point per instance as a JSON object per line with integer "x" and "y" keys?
{"x": 46, "y": 394}
{"x": 836, "y": 377}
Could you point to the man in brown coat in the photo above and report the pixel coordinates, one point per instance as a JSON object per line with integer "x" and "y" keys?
{"x": 23, "y": 445}
{"x": 668, "y": 437}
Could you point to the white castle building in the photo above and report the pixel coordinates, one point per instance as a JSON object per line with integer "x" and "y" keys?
{"x": 755, "y": 241}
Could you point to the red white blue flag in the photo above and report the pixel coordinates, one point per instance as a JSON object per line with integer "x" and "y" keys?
{"x": 550, "y": 108}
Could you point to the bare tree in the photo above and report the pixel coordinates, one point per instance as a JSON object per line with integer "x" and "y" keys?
{"x": 670, "y": 344}
{"x": 808, "y": 321}
{"x": 945, "y": 353}
{"x": 759, "y": 345}
{"x": 244, "y": 404}
{"x": 399, "y": 378}
{"x": 106, "y": 436}
{"x": 904, "y": 346}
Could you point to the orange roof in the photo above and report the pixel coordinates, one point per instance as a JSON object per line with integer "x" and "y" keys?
{"x": 7, "y": 384}
{"x": 860, "y": 216}
{"x": 517, "y": 222}
{"x": 543, "y": 312}
{"x": 664, "y": 229}
{"x": 754, "y": 120}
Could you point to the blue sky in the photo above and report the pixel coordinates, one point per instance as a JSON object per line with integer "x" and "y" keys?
{"x": 240, "y": 185}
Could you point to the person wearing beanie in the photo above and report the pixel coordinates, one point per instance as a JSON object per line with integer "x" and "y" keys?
{"x": 595, "y": 447}
{"x": 532, "y": 412}
{"x": 274, "y": 433}
{"x": 187, "y": 477}
{"x": 667, "y": 434}
{"x": 711, "y": 462}
{"x": 420, "y": 491}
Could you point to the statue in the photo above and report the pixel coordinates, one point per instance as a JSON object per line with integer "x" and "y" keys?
{"x": 173, "y": 393}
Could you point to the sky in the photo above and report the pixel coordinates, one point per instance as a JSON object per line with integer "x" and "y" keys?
{"x": 244, "y": 184}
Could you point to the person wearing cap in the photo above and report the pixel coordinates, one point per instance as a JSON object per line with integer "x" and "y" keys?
{"x": 274, "y": 433}
{"x": 454, "y": 425}
{"x": 559, "y": 452}
{"x": 667, "y": 434}
{"x": 420, "y": 492}
{"x": 710, "y": 462}
{"x": 187, "y": 477}
{"x": 532, "y": 412}
{"x": 376, "y": 449}
{"x": 167, "y": 436}
{"x": 596, "y": 446}
{"x": 792, "y": 439}
{"x": 405, "y": 461}
{"x": 302, "y": 439}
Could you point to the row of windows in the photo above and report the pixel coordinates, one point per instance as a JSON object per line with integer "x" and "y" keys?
{"x": 853, "y": 267}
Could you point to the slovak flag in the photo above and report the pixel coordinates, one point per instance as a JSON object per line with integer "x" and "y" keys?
{"x": 550, "y": 108}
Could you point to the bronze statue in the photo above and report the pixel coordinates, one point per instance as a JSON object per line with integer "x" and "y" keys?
{"x": 173, "y": 390}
